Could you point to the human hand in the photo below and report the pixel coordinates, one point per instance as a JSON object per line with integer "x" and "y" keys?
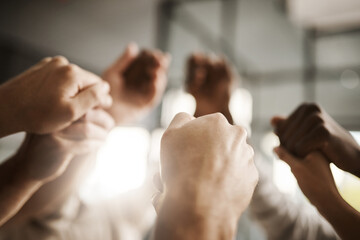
{"x": 313, "y": 175}
{"x": 45, "y": 157}
{"x": 209, "y": 161}
{"x": 210, "y": 81}
{"x": 310, "y": 128}
{"x": 137, "y": 81}
{"x": 50, "y": 96}
{"x": 208, "y": 178}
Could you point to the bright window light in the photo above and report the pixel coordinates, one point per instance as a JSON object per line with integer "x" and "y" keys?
{"x": 284, "y": 179}
{"x": 241, "y": 107}
{"x": 176, "y": 101}
{"x": 120, "y": 166}
{"x": 154, "y": 155}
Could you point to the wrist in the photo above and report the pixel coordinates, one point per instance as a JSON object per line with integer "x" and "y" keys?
{"x": 9, "y": 122}
{"x": 185, "y": 217}
{"x": 330, "y": 206}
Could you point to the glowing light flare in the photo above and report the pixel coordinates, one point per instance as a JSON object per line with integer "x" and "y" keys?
{"x": 121, "y": 164}
{"x": 241, "y": 108}
{"x": 176, "y": 101}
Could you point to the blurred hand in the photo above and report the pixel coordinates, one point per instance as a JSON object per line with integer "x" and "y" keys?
{"x": 310, "y": 128}
{"x": 210, "y": 81}
{"x": 207, "y": 167}
{"x": 137, "y": 81}
{"x": 315, "y": 179}
{"x": 45, "y": 157}
{"x": 313, "y": 175}
{"x": 50, "y": 96}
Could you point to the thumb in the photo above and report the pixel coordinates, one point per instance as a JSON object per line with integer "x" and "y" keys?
{"x": 276, "y": 121}
{"x": 93, "y": 96}
{"x": 180, "y": 120}
{"x": 287, "y": 157}
{"x": 130, "y": 53}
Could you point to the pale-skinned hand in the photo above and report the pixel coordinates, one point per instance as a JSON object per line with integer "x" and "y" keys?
{"x": 45, "y": 157}
{"x": 49, "y": 96}
{"x": 208, "y": 173}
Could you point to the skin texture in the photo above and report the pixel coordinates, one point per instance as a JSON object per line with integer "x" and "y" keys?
{"x": 210, "y": 81}
{"x": 137, "y": 81}
{"x": 41, "y": 160}
{"x": 315, "y": 179}
{"x": 208, "y": 177}
{"x": 49, "y": 96}
{"x": 51, "y": 196}
{"x": 310, "y": 128}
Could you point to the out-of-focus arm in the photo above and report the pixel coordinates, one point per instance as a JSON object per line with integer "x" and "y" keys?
{"x": 281, "y": 217}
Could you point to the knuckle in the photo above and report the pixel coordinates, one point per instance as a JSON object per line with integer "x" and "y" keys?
{"x": 95, "y": 93}
{"x": 317, "y": 118}
{"x": 251, "y": 152}
{"x": 241, "y": 132}
{"x": 70, "y": 69}
{"x": 182, "y": 115}
{"x": 45, "y": 60}
{"x": 70, "y": 112}
{"x": 86, "y": 129}
{"x": 313, "y": 107}
{"x": 60, "y": 60}
{"x": 166, "y": 134}
{"x": 323, "y": 131}
{"x": 218, "y": 117}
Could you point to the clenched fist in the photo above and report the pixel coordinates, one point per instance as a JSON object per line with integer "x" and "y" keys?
{"x": 137, "y": 81}
{"x": 208, "y": 175}
{"x": 210, "y": 81}
{"x": 310, "y": 128}
{"x": 49, "y": 97}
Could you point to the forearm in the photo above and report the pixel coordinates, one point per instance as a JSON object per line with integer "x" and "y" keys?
{"x": 178, "y": 220}
{"x": 344, "y": 218}
{"x": 15, "y": 189}
{"x": 8, "y": 117}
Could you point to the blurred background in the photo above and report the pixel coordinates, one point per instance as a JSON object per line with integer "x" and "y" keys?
{"x": 285, "y": 52}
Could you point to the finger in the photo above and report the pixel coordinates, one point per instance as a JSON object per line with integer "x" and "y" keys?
{"x": 130, "y": 53}
{"x": 41, "y": 64}
{"x": 100, "y": 118}
{"x": 284, "y": 127}
{"x": 91, "y": 97}
{"x": 287, "y": 157}
{"x": 83, "y": 130}
{"x": 86, "y": 79}
{"x": 308, "y": 124}
{"x": 57, "y": 62}
{"x": 297, "y": 122}
{"x": 180, "y": 119}
{"x": 314, "y": 140}
{"x": 157, "y": 200}
{"x": 82, "y": 147}
{"x": 158, "y": 182}
{"x": 277, "y": 121}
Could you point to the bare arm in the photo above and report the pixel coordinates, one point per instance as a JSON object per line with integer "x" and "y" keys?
{"x": 344, "y": 218}
{"x": 178, "y": 219}
{"x": 15, "y": 188}
{"x": 316, "y": 182}
{"x": 208, "y": 178}
{"x": 49, "y": 96}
